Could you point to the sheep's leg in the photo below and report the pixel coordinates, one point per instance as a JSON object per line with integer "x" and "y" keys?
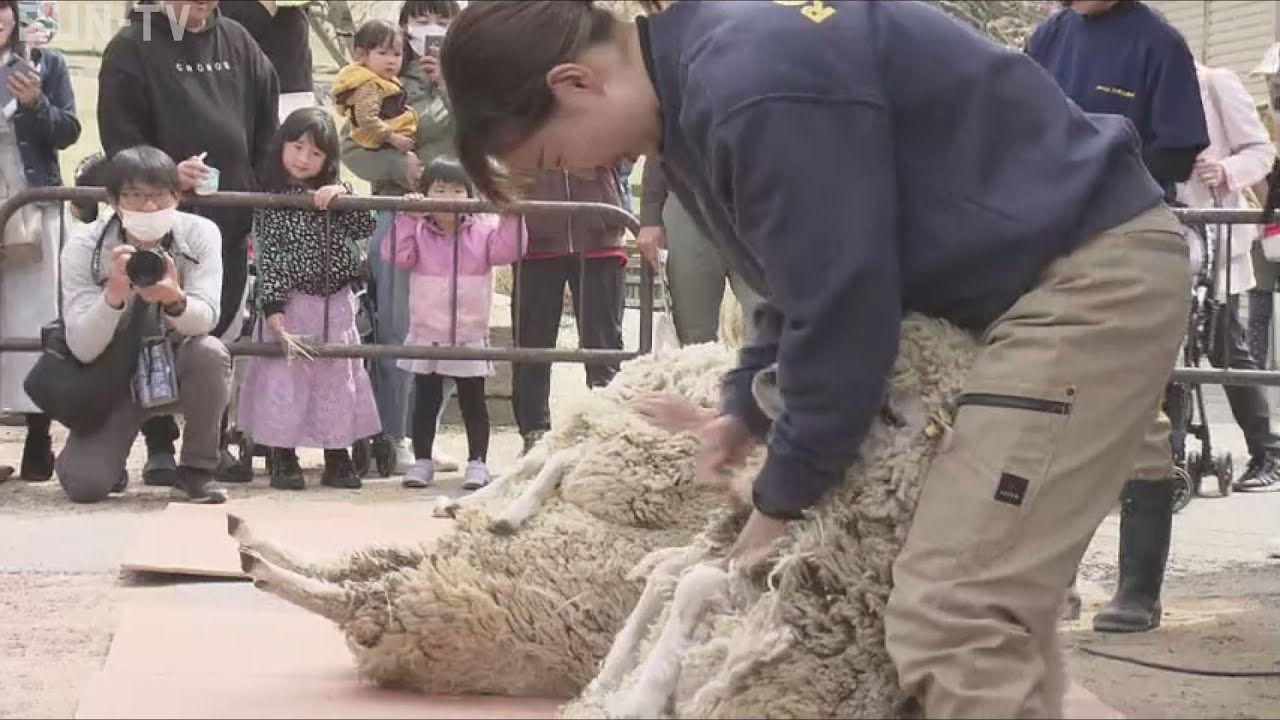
{"x": 269, "y": 551}
{"x": 700, "y": 587}
{"x": 358, "y": 566}
{"x": 536, "y": 495}
{"x": 662, "y": 568}
{"x": 670, "y": 561}
{"x": 323, "y": 598}
{"x": 530, "y": 464}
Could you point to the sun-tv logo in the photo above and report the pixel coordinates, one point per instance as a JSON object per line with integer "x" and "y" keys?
{"x": 96, "y": 23}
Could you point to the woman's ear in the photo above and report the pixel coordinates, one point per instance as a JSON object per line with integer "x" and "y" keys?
{"x": 569, "y": 79}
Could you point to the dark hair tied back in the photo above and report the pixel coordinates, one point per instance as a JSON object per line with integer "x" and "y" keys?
{"x": 495, "y": 59}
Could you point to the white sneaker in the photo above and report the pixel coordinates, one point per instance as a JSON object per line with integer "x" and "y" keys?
{"x": 404, "y": 460}
{"x": 444, "y": 463}
{"x": 477, "y": 475}
{"x": 421, "y": 475}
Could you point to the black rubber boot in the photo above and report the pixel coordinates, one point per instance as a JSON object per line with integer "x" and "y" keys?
{"x": 1146, "y": 523}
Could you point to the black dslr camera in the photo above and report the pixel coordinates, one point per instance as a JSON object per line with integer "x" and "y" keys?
{"x": 147, "y": 267}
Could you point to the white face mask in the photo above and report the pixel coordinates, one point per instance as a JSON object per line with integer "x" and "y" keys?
{"x": 148, "y": 227}
{"x": 419, "y": 33}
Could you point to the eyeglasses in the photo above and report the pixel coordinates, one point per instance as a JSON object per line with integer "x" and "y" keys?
{"x": 138, "y": 197}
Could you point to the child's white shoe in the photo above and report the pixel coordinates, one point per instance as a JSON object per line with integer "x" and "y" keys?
{"x": 421, "y": 475}
{"x": 476, "y": 476}
{"x": 404, "y": 459}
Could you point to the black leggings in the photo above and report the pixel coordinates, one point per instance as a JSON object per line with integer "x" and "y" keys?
{"x": 428, "y": 395}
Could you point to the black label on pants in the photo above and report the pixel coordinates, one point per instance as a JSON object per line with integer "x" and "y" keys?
{"x": 1011, "y": 489}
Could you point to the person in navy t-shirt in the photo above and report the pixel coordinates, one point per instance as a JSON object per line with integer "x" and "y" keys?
{"x": 1119, "y": 57}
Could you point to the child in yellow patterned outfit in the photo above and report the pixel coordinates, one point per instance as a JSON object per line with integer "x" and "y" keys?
{"x": 369, "y": 92}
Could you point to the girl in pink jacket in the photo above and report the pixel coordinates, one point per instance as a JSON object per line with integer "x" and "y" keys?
{"x": 445, "y": 312}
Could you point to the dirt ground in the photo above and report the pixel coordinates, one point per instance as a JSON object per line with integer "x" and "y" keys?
{"x": 60, "y": 588}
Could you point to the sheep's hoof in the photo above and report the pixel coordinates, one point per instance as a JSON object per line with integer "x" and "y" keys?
{"x": 234, "y": 525}
{"x": 447, "y": 509}
{"x": 249, "y": 562}
{"x": 503, "y": 527}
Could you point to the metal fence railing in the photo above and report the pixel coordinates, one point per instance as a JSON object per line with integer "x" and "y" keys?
{"x": 1212, "y": 216}
{"x": 325, "y": 349}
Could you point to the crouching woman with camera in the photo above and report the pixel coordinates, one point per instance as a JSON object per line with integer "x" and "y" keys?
{"x": 144, "y": 283}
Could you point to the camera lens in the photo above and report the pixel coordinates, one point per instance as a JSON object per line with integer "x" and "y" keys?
{"x": 145, "y": 268}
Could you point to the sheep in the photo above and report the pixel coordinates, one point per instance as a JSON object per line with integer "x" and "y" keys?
{"x": 800, "y": 634}
{"x": 564, "y": 574}
{"x": 524, "y": 594}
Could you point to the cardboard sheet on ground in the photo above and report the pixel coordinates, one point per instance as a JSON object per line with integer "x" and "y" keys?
{"x": 192, "y": 540}
{"x": 180, "y": 653}
{"x": 231, "y": 651}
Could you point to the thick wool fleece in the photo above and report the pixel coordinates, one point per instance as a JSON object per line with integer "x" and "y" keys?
{"x": 531, "y": 613}
{"x": 802, "y": 636}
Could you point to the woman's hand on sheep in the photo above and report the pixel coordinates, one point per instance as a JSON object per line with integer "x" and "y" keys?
{"x": 672, "y": 413}
{"x": 724, "y": 444}
{"x": 756, "y": 538}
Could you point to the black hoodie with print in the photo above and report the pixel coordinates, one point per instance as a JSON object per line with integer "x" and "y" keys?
{"x": 187, "y": 93}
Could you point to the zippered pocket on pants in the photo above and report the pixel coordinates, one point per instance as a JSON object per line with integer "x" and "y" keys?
{"x": 1014, "y": 402}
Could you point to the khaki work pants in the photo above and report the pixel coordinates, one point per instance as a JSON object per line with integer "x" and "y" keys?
{"x": 1058, "y": 415}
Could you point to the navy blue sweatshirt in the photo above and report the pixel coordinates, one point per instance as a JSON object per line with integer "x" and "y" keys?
{"x": 856, "y": 160}
{"x": 1128, "y": 61}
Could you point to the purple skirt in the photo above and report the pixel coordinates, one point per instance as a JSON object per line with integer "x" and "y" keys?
{"x": 309, "y": 403}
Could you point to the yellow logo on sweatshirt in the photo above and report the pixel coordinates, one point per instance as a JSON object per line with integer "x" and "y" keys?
{"x": 1113, "y": 90}
{"x": 815, "y": 10}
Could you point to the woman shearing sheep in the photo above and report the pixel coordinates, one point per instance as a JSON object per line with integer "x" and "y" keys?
{"x": 856, "y": 161}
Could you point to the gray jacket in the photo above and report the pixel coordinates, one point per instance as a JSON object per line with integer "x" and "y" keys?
{"x": 91, "y": 322}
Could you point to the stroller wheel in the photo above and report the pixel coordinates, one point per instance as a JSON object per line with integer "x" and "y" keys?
{"x": 1194, "y": 467}
{"x": 361, "y": 454}
{"x": 1184, "y": 488}
{"x": 1226, "y": 468}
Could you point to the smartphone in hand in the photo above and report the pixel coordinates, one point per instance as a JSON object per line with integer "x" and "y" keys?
{"x": 15, "y": 64}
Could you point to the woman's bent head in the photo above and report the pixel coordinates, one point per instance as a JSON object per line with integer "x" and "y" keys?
{"x": 546, "y": 85}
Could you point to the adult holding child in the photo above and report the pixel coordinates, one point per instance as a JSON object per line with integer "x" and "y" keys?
{"x": 181, "y": 78}
{"x": 37, "y": 119}
{"x": 394, "y": 171}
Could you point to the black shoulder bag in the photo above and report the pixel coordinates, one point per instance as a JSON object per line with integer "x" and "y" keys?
{"x": 81, "y": 396}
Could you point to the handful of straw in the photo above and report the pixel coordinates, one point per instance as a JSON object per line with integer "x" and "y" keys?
{"x": 294, "y": 347}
